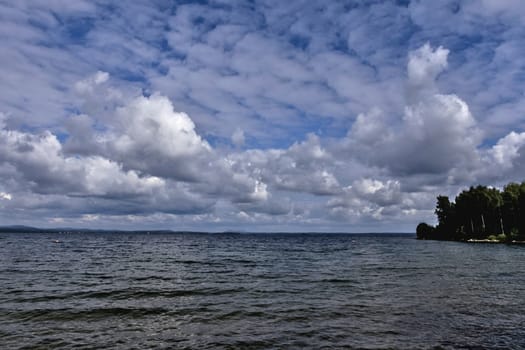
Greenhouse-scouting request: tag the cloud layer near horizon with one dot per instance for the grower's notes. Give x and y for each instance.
(228, 117)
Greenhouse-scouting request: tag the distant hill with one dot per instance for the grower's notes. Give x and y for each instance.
(30, 229)
(20, 228)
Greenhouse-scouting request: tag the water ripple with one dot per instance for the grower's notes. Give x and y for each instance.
(131, 291)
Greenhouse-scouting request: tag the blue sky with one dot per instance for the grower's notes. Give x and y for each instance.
(255, 115)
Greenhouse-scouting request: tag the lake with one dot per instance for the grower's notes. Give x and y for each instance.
(258, 291)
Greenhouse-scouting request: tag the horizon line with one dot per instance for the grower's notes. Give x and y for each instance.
(33, 229)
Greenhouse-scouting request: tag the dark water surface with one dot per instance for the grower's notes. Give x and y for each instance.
(189, 291)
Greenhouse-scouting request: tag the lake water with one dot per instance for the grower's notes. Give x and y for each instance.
(258, 291)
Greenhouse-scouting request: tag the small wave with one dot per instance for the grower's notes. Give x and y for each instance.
(239, 315)
(152, 278)
(198, 262)
(126, 294)
(69, 314)
(240, 261)
(337, 280)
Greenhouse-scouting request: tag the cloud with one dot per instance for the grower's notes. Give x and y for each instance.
(40, 166)
(507, 149)
(382, 193)
(272, 113)
(146, 135)
(86, 86)
(373, 200)
(238, 137)
(436, 134)
(138, 151)
(439, 134)
(504, 161)
(424, 65)
(303, 167)
(149, 136)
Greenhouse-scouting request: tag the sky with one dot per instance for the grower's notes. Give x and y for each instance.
(341, 116)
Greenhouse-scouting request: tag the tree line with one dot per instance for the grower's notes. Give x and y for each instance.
(480, 212)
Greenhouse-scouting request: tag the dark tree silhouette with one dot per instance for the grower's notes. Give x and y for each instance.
(480, 212)
(425, 231)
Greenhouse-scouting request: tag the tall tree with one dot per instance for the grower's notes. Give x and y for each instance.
(443, 209)
(446, 214)
(510, 208)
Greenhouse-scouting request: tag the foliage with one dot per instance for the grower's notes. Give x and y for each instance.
(425, 231)
(480, 212)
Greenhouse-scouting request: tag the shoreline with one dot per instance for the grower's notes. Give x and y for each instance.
(492, 241)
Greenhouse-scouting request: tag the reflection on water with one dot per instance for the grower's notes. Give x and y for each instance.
(258, 291)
